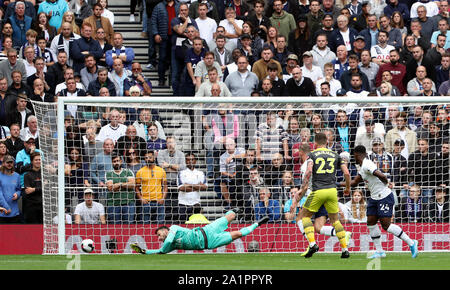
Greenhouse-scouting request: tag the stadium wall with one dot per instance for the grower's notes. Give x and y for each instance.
(28, 239)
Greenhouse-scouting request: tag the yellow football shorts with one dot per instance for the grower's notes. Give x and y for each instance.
(326, 197)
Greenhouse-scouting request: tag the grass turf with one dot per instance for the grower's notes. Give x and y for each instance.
(320, 261)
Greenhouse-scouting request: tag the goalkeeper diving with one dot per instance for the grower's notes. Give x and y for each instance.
(211, 236)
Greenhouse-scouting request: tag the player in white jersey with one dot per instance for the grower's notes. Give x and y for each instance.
(380, 205)
(320, 217)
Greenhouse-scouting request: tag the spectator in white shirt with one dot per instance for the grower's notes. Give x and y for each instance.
(190, 182)
(89, 211)
(114, 130)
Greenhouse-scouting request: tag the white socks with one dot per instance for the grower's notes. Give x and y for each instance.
(325, 230)
(375, 234)
(398, 232)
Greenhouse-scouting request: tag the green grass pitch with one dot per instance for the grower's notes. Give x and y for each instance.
(262, 261)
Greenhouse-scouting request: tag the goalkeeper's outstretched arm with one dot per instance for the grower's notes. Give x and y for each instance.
(165, 235)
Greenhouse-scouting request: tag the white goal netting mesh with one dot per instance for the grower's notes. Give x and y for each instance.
(132, 167)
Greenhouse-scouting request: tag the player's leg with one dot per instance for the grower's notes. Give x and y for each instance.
(332, 207)
(398, 232)
(375, 234)
(385, 213)
(308, 232)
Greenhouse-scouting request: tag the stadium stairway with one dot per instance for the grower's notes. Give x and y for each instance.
(132, 34)
(133, 37)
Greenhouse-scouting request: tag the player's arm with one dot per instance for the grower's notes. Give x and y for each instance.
(305, 182)
(381, 176)
(166, 247)
(347, 178)
(354, 182)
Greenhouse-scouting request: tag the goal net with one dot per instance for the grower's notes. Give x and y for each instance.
(115, 169)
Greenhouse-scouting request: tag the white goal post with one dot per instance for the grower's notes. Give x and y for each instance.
(53, 147)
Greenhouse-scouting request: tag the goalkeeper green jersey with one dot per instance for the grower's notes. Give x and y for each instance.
(180, 238)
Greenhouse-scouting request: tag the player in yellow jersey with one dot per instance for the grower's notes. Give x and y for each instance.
(321, 170)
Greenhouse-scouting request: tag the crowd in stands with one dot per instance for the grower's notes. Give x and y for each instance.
(122, 167)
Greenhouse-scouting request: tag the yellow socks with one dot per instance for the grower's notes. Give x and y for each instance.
(309, 230)
(340, 233)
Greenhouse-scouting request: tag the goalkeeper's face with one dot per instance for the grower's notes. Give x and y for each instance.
(162, 234)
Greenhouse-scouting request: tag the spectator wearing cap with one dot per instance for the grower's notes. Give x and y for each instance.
(366, 137)
(358, 46)
(247, 48)
(23, 160)
(309, 70)
(10, 192)
(89, 211)
(260, 66)
(344, 35)
(300, 38)
(291, 63)
(382, 158)
(321, 53)
(299, 85)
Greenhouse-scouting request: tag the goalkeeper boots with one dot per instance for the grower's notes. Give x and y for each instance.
(311, 250)
(263, 220)
(137, 249)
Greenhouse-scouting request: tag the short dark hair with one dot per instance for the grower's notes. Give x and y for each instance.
(161, 228)
(360, 149)
(321, 138)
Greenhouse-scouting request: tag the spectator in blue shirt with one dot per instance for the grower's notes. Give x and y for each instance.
(10, 191)
(267, 206)
(20, 23)
(55, 10)
(155, 143)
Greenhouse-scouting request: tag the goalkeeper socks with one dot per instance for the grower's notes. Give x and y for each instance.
(309, 230)
(375, 234)
(247, 230)
(398, 232)
(340, 233)
(328, 231)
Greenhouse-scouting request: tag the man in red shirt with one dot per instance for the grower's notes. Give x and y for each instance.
(397, 70)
